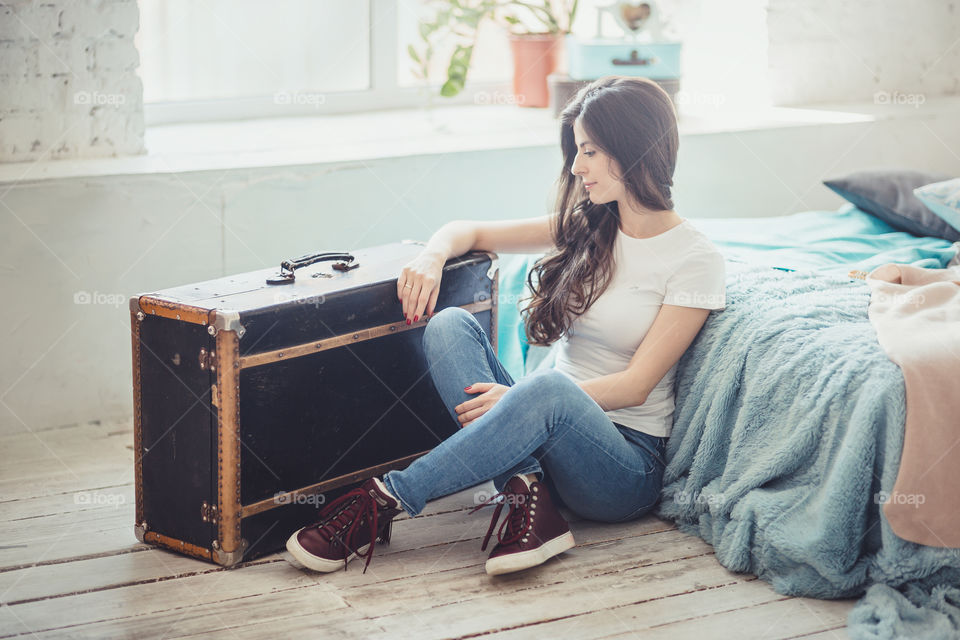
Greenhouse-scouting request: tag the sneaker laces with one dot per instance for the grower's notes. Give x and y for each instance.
(517, 522)
(343, 516)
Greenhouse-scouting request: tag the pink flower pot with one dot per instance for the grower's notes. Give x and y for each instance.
(534, 58)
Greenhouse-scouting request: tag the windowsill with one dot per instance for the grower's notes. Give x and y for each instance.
(222, 146)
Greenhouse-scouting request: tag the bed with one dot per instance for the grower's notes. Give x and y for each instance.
(789, 419)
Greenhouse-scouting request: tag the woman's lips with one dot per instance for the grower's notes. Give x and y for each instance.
(588, 185)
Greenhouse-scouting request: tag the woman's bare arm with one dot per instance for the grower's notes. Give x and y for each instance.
(672, 332)
(455, 238)
(419, 281)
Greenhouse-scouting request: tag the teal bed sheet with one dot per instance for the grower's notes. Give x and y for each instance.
(823, 241)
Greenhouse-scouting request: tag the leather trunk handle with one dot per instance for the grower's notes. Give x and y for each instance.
(287, 274)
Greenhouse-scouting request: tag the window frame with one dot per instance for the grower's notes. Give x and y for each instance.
(384, 92)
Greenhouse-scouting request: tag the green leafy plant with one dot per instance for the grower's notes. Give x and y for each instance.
(460, 20)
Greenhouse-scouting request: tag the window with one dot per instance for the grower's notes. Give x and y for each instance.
(219, 49)
(234, 59)
(237, 59)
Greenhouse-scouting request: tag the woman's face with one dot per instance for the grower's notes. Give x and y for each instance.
(594, 169)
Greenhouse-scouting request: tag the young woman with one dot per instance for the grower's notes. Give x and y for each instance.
(625, 286)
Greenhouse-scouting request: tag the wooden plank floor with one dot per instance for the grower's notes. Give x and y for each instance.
(70, 567)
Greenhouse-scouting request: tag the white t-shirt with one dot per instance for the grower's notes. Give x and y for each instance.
(680, 266)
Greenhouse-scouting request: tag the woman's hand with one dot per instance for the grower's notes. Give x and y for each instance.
(490, 393)
(419, 285)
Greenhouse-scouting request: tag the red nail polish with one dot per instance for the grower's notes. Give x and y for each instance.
(415, 318)
(408, 320)
(467, 388)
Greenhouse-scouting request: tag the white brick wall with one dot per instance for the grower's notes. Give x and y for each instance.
(829, 51)
(68, 82)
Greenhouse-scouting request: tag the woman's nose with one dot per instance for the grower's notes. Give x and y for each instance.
(577, 169)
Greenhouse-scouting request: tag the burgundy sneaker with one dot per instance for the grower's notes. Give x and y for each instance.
(348, 528)
(533, 531)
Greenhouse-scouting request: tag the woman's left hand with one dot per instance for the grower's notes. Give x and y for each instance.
(490, 393)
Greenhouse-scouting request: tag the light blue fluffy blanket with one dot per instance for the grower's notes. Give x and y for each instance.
(789, 423)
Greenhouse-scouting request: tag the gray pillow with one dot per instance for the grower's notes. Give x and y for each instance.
(888, 195)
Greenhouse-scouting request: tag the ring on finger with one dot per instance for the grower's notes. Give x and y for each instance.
(407, 286)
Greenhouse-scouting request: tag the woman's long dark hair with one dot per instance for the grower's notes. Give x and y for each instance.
(633, 121)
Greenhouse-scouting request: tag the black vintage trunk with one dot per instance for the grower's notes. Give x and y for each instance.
(255, 404)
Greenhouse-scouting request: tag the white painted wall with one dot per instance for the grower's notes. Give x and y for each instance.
(828, 51)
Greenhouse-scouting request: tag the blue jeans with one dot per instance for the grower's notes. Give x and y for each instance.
(544, 424)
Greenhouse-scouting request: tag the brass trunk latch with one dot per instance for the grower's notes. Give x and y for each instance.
(208, 513)
(208, 360)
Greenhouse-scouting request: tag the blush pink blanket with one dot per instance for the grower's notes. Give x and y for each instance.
(916, 314)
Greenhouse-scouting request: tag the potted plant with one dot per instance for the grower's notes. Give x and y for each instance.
(536, 31)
